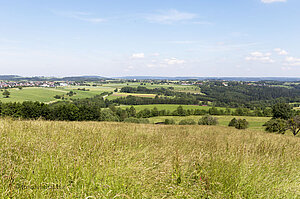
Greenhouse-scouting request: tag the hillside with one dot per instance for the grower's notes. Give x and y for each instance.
(44, 159)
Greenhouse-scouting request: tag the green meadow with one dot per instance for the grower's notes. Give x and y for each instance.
(47, 94)
(255, 123)
(32, 94)
(117, 95)
(177, 87)
(173, 107)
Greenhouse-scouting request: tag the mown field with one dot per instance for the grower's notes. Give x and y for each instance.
(254, 122)
(44, 159)
(173, 107)
(117, 95)
(47, 94)
(177, 87)
(32, 94)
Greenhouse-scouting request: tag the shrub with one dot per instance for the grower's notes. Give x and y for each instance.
(208, 120)
(169, 121)
(294, 124)
(187, 122)
(276, 126)
(241, 124)
(108, 115)
(137, 120)
(232, 122)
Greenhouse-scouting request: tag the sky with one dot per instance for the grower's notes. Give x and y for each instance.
(257, 38)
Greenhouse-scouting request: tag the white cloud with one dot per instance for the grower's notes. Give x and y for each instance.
(155, 54)
(281, 51)
(286, 68)
(259, 56)
(184, 42)
(174, 61)
(83, 16)
(292, 61)
(138, 55)
(151, 65)
(273, 1)
(130, 67)
(170, 16)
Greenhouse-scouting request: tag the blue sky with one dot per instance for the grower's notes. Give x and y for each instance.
(157, 37)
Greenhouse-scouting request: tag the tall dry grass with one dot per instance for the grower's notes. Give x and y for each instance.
(46, 159)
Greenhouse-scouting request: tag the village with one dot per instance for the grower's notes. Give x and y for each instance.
(45, 84)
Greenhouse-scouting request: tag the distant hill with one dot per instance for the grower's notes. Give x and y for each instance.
(8, 77)
(214, 78)
(97, 78)
(42, 78)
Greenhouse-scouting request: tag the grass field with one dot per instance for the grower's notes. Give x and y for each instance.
(173, 107)
(47, 94)
(177, 87)
(254, 122)
(43, 159)
(117, 95)
(32, 94)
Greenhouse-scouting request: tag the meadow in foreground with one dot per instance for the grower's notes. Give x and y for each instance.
(47, 159)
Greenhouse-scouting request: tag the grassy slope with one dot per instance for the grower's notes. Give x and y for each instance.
(47, 94)
(172, 107)
(254, 122)
(118, 95)
(32, 94)
(113, 160)
(179, 88)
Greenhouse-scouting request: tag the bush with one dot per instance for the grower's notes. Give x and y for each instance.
(241, 124)
(137, 120)
(187, 122)
(169, 121)
(276, 126)
(208, 120)
(294, 124)
(232, 122)
(108, 115)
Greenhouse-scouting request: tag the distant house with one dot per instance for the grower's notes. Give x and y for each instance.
(63, 84)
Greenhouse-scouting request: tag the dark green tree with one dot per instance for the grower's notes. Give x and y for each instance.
(208, 120)
(169, 121)
(282, 111)
(241, 124)
(232, 122)
(187, 122)
(6, 93)
(181, 111)
(294, 124)
(276, 126)
(132, 112)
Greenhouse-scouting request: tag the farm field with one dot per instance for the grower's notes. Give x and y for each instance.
(255, 123)
(177, 87)
(173, 107)
(47, 94)
(32, 94)
(117, 95)
(47, 159)
(85, 94)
